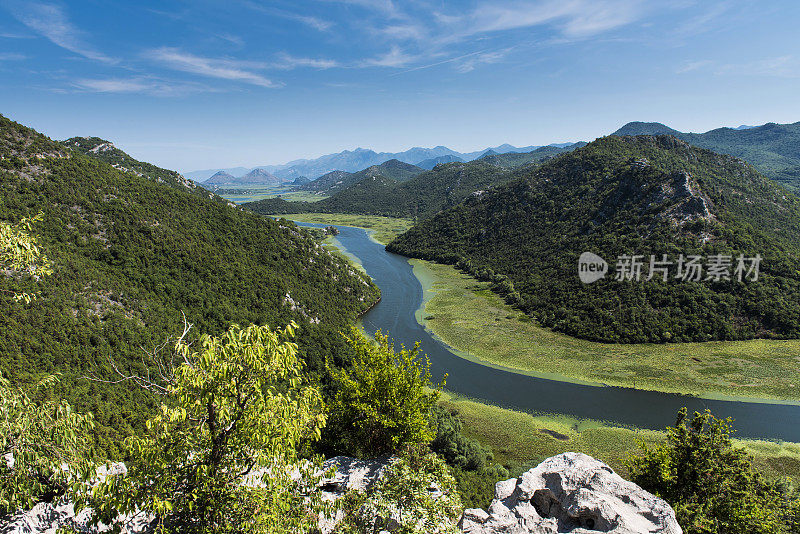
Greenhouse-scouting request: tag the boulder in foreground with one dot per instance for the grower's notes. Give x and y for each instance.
(575, 493)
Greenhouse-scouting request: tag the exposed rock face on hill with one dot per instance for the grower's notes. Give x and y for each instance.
(575, 493)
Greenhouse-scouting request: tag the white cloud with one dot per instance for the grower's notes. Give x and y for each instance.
(10, 56)
(222, 68)
(484, 58)
(314, 22)
(386, 7)
(138, 85)
(693, 66)
(50, 21)
(393, 58)
(574, 18)
(287, 62)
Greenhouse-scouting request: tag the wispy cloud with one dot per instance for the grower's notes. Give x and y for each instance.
(221, 68)
(786, 66)
(782, 67)
(287, 62)
(692, 66)
(10, 56)
(439, 32)
(395, 57)
(12, 35)
(138, 85)
(314, 22)
(573, 18)
(50, 21)
(483, 58)
(308, 20)
(386, 7)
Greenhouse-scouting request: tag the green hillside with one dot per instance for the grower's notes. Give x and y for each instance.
(103, 150)
(773, 149)
(444, 186)
(630, 196)
(130, 255)
(517, 159)
(336, 181)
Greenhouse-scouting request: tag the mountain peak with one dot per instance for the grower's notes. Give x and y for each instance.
(645, 128)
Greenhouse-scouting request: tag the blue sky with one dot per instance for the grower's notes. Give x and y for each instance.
(200, 84)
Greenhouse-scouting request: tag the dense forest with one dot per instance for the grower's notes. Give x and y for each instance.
(129, 257)
(771, 148)
(444, 186)
(630, 196)
(97, 148)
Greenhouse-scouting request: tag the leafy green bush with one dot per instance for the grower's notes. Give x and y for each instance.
(220, 454)
(383, 399)
(416, 495)
(43, 452)
(711, 484)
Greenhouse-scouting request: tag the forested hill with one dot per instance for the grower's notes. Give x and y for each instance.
(336, 181)
(421, 196)
(631, 196)
(773, 149)
(130, 256)
(97, 148)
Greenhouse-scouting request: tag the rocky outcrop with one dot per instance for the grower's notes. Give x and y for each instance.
(574, 493)
(351, 474)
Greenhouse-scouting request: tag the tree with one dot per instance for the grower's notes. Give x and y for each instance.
(43, 453)
(383, 400)
(711, 484)
(20, 252)
(220, 454)
(416, 495)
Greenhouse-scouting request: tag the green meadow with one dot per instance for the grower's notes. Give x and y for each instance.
(520, 440)
(382, 229)
(469, 317)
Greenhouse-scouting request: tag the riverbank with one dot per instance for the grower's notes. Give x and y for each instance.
(466, 315)
(520, 440)
(381, 229)
(469, 317)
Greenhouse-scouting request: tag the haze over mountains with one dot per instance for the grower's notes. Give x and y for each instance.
(359, 159)
(774, 149)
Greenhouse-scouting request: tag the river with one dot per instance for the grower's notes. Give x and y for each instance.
(395, 315)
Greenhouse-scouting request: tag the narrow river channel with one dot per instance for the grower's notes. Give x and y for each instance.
(395, 315)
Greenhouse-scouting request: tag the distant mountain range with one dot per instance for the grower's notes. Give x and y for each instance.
(357, 160)
(773, 149)
(254, 177)
(399, 189)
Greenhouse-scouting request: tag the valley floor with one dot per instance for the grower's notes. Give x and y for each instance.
(383, 229)
(520, 440)
(469, 317)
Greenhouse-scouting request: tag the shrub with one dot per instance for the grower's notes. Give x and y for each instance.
(711, 484)
(383, 400)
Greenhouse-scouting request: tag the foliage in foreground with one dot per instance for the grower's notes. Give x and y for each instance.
(21, 254)
(416, 495)
(219, 456)
(711, 484)
(383, 399)
(37, 438)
